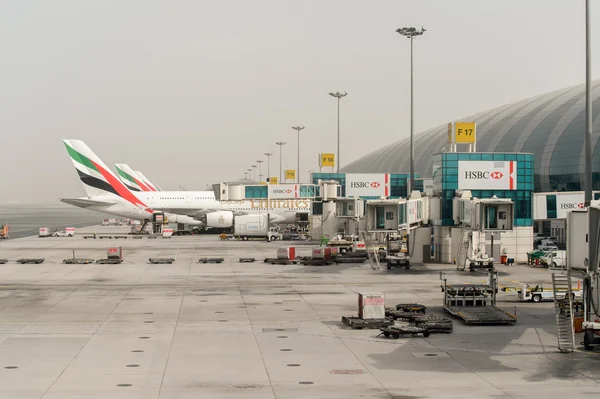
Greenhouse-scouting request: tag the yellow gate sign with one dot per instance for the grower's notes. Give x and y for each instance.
(290, 174)
(273, 180)
(464, 132)
(327, 160)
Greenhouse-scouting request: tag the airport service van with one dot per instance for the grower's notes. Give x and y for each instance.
(554, 259)
(540, 293)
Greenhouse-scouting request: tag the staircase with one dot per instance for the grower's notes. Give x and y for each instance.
(463, 249)
(563, 309)
(369, 246)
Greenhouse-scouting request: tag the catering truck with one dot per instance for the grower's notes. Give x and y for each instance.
(248, 227)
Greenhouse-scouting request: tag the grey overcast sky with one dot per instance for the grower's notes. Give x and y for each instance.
(194, 92)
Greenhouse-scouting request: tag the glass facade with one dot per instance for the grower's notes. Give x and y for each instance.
(550, 126)
(445, 177)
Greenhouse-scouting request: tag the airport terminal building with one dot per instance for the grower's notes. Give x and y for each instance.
(550, 126)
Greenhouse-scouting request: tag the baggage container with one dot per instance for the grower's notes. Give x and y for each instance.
(288, 253)
(371, 305)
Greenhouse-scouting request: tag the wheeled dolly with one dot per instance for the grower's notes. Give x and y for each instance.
(156, 261)
(30, 260)
(400, 331)
(211, 260)
(358, 323)
(247, 260)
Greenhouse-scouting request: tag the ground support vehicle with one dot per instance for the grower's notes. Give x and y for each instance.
(539, 293)
(406, 311)
(3, 261)
(30, 260)
(481, 261)
(247, 260)
(156, 261)
(400, 331)
(78, 261)
(397, 260)
(357, 323)
(211, 260)
(248, 227)
(68, 232)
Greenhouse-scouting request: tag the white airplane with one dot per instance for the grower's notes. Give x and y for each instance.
(107, 194)
(130, 179)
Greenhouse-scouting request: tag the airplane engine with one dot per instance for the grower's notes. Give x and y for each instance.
(218, 219)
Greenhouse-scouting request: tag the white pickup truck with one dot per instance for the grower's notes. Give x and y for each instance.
(68, 232)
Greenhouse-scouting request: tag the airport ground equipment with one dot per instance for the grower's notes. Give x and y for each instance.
(247, 260)
(396, 332)
(78, 261)
(44, 232)
(561, 293)
(539, 293)
(211, 260)
(396, 253)
(109, 261)
(316, 262)
(30, 260)
(278, 261)
(156, 261)
(114, 255)
(406, 311)
(68, 232)
(475, 303)
(358, 324)
(437, 324)
(3, 261)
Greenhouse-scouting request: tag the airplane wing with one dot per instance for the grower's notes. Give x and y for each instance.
(85, 202)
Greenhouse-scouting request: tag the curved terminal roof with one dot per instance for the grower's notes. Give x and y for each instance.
(551, 126)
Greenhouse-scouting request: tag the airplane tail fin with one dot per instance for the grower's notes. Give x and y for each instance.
(130, 179)
(148, 183)
(97, 178)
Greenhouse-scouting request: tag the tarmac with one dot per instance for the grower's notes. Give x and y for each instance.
(255, 330)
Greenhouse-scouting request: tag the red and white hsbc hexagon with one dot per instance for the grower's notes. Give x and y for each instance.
(487, 175)
(367, 185)
(284, 191)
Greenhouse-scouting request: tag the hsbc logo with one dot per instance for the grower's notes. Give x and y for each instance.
(282, 191)
(483, 175)
(573, 205)
(365, 184)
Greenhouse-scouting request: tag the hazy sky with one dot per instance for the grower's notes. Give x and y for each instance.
(194, 92)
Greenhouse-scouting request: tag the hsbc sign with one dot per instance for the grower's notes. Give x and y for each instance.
(284, 191)
(568, 202)
(487, 175)
(367, 185)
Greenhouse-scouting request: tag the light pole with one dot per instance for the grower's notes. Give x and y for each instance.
(588, 110)
(338, 95)
(245, 175)
(280, 144)
(259, 171)
(297, 129)
(253, 172)
(249, 172)
(268, 154)
(410, 33)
